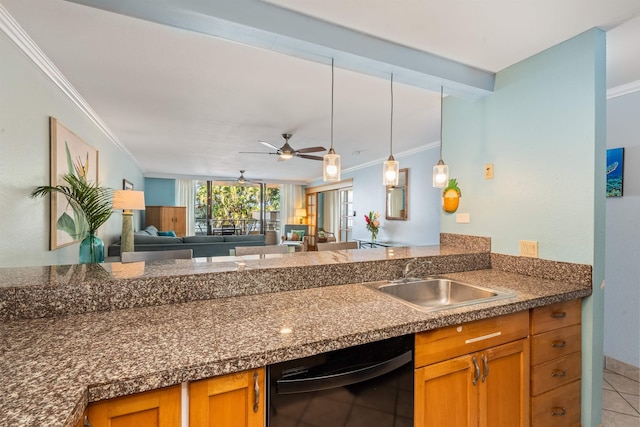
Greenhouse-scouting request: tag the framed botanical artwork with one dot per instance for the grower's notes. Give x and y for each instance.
(615, 169)
(69, 154)
(127, 185)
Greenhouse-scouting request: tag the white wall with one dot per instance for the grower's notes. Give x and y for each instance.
(27, 99)
(622, 292)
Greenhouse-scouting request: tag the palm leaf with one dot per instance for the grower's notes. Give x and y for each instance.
(91, 201)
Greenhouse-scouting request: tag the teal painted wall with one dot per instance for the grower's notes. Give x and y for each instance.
(28, 98)
(159, 192)
(544, 130)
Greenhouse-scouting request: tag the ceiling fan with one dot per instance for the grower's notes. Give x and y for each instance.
(286, 151)
(241, 179)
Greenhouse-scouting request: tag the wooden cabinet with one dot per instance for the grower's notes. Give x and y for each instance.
(156, 408)
(167, 218)
(556, 365)
(234, 400)
(475, 374)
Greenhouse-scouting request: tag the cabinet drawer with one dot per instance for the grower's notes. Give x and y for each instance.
(555, 373)
(556, 316)
(446, 343)
(556, 343)
(559, 407)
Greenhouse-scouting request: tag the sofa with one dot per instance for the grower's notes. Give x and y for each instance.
(150, 239)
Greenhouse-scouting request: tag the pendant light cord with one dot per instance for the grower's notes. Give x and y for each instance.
(332, 59)
(441, 92)
(391, 127)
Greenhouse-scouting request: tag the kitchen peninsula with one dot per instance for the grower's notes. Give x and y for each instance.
(78, 334)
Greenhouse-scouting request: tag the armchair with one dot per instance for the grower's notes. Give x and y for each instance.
(296, 235)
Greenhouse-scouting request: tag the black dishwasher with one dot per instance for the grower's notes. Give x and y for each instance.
(365, 385)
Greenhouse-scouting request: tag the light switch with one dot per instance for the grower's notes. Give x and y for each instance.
(488, 171)
(463, 218)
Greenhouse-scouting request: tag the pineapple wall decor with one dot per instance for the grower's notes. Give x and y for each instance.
(451, 196)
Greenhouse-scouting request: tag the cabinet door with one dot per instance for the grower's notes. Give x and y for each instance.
(504, 385)
(178, 220)
(234, 400)
(445, 394)
(157, 408)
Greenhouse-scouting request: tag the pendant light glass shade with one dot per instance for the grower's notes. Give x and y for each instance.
(390, 168)
(440, 175)
(440, 170)
(390, 172)
(331, 166)
(331, 160)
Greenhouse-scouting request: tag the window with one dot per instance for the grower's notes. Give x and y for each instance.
(230, 208)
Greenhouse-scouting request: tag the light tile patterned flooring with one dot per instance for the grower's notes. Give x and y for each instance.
(620, 401)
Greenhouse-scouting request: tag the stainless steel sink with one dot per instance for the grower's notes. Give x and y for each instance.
(437, 293)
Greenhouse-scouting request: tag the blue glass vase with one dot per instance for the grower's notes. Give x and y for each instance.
(91, 250)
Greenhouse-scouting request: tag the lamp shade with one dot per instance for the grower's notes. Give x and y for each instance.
(128, 200)
(301, 212)
(331, 166)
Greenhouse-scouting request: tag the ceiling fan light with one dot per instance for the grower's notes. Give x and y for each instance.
(331, 166)
(390, 172)
(286, 156)
(440, 175)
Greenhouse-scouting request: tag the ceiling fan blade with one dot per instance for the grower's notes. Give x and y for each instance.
(255, 152)
(269, 145)
(306, 156)
(311, 149)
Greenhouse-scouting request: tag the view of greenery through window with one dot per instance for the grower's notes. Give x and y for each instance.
(237, 205)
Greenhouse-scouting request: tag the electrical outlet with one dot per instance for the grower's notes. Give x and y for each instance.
(529, 248)
(488, 171)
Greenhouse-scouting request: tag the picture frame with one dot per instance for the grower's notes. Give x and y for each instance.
(127, 185)
(69, 153)
(615, 172)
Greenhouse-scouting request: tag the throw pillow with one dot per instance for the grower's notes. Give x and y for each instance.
(170, 233)
(297, 235)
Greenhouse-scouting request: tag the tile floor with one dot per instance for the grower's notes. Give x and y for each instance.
(620, 401)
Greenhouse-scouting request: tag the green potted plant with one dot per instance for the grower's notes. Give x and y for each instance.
(92, 207)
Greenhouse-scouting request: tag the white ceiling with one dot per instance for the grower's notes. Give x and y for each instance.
(185, 103)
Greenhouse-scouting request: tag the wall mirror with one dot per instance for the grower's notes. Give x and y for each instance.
(397, 197)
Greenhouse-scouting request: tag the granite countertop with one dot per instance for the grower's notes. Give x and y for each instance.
(53, 366)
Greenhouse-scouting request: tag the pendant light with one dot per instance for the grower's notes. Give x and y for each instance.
(391, 167)
(331, 160)
(440, 171)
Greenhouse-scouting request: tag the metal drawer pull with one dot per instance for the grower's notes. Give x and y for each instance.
(558, 344)
(558, 412)
(559, 314)
(559, 373)
(86, 422)
(476, 377)
(485, 365)
(256, 389)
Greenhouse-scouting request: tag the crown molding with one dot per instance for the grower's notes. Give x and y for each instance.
(625, 89)
(25, 43)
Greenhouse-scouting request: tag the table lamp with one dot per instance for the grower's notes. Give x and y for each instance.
(128, 200)
(302, 213)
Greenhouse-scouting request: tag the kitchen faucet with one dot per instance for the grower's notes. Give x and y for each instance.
(414, 265)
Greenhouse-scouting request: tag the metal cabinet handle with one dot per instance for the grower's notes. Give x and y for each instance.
(559, 344)
(558, 411)
(476, 368)
(559, 373)
(256, 390)
(485, 365)
(559, 314)
(86, 422)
